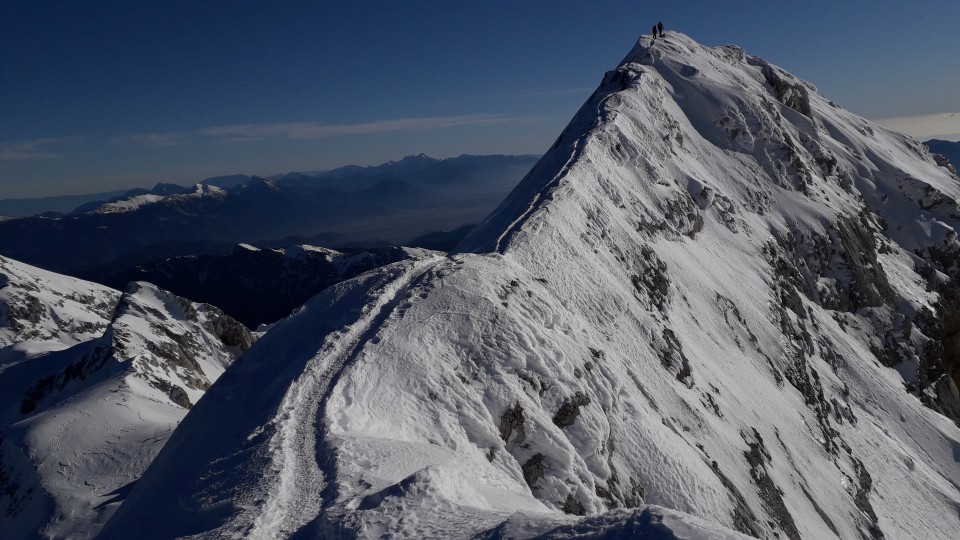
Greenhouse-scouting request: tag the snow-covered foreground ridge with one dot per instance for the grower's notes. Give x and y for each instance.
(717, 293)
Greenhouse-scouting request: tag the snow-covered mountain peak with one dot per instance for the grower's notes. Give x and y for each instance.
(78, 425)
(717, 293)
(413, 160)
(176, 346)
(713, 125)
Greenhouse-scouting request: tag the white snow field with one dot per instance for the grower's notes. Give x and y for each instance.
(81, 416)
(715, 301)
(133, 203)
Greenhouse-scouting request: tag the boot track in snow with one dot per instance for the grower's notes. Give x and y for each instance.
(295, 500)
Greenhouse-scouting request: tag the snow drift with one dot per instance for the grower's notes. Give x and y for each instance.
(717, 293)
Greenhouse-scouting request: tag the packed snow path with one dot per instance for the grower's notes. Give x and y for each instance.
(296, 447)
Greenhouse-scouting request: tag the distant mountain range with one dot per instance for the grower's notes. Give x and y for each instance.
(64, 204)
(388, 204)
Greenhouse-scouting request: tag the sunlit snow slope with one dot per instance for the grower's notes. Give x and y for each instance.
(42, 311)
(718, 293)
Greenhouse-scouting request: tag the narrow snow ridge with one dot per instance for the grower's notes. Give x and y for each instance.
(294, 500)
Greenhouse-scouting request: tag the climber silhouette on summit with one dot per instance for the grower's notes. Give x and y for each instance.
(660, 28)
(654, 32)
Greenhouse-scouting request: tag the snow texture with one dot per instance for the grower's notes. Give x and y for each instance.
(718, 293)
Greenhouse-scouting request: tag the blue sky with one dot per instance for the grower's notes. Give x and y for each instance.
(107, 95)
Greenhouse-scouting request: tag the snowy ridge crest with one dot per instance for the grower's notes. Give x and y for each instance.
(717, 293)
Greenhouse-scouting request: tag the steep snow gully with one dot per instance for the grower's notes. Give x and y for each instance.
(714, 309)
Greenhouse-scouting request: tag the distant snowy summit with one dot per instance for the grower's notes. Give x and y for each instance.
(719, 306)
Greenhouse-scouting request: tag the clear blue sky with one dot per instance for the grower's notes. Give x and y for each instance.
(114, 94)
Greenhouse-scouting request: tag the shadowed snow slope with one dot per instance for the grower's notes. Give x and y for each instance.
(717, 293)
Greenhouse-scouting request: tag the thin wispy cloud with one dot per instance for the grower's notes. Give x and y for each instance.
(943, 125)
(315, 130)
(172, 138)
(33, 149)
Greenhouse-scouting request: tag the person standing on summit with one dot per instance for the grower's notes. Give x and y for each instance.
(654, 32)
(660, 28)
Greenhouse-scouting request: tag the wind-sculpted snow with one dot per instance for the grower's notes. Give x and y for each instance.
(717, 293)
(79, 425)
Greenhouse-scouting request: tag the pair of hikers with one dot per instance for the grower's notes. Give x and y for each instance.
(658, 28)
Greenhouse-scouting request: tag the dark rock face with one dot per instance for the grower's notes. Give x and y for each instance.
(846, 257)
(615, 493)
(770, 496)
(511, 424)
(673, 358)
(652, 282)
(946, 153)
(862, 500)
(944, 162)
(573, 506)
(257, 286)
(940, 366)
(788, 90)
(570, 409)
(744, 520)
(176, 393)
(231, 332)
(534, 469)
(90, 362)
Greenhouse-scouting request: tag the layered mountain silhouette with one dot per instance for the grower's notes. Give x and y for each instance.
(384, 205)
